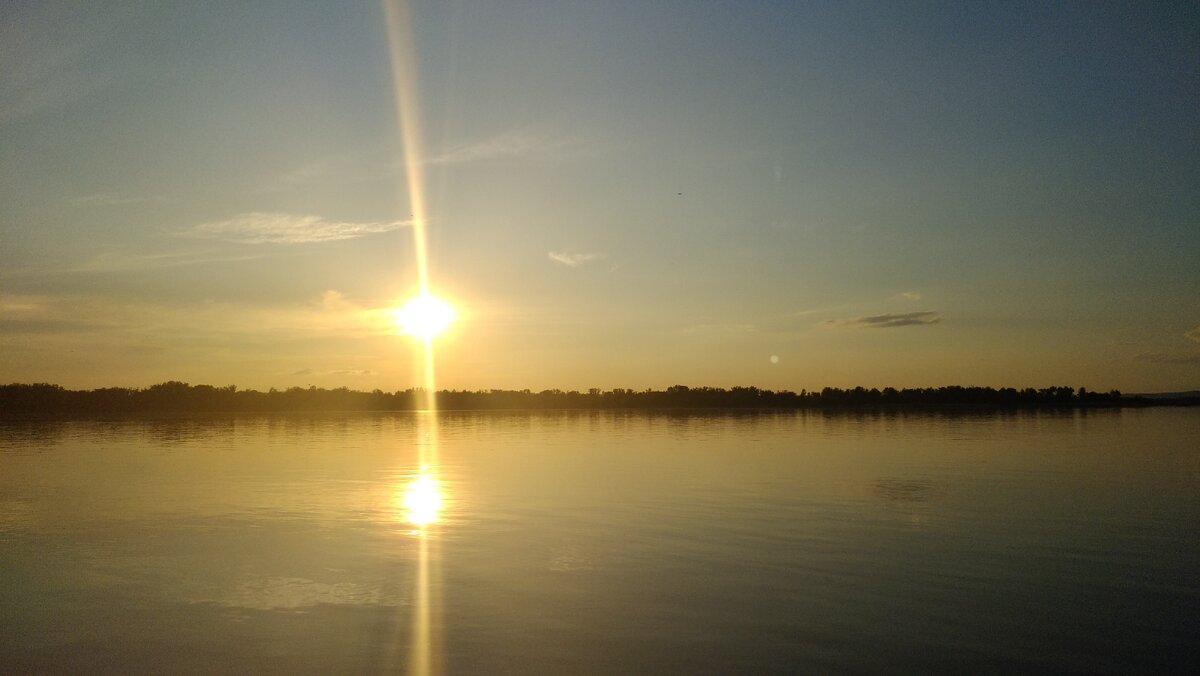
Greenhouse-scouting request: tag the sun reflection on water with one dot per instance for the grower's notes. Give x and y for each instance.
(421, 500)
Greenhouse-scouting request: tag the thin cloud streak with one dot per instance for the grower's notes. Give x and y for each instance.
(259, 227)
(889, 320)
(29, 320)
(708, 329)
(107, 200)
(111, 262)
(41, 74)
(506, 145)
(334, 372)
(573, 260)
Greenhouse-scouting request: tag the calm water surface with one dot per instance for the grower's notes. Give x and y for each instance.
(605, 543)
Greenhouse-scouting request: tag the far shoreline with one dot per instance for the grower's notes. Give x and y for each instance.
(174, 398)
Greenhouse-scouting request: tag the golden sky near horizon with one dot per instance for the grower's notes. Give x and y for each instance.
(615, 194)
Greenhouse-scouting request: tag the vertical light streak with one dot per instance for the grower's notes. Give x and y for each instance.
(420, 658)
(430, 403)
(424, 494)
(422, 641)
(404, 88)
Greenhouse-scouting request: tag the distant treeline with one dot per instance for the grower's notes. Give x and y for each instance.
(175, 397)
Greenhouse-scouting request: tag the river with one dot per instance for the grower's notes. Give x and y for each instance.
(603, 543)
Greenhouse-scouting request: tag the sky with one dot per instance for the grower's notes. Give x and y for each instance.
(616, 194)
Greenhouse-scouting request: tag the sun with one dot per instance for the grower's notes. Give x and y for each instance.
(424, 316)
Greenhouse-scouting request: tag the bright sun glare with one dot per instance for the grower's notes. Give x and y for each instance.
(424, 316)
(422, 501)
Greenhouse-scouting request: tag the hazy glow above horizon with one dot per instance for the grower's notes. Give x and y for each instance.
(919, 195)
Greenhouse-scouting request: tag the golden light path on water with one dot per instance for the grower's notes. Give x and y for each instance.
(423, 317)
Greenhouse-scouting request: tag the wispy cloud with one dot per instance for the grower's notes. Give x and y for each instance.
(258, 227)
(331, 314)
(1168, 357)
(329, 338)
(334, 301)
(509, 144)
(734, 328)
(46, 50)
(1172, 355)
(574, 260)
(335, 372)
(109, 200)
(341, 168)
(911, 295)
(117, 262)
(66, 314)
(20, 303)
(821, 310)
(889, 320)
(304, 174)
(31, 315)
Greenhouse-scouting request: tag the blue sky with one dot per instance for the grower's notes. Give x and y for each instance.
(619, 194)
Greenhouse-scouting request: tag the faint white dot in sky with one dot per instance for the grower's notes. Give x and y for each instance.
(774, 359)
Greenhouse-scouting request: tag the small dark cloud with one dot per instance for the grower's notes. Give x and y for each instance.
(301, 372)
(889, 320)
